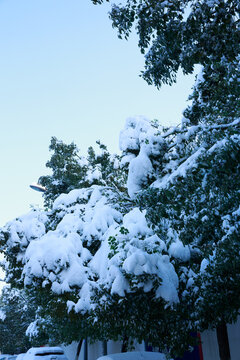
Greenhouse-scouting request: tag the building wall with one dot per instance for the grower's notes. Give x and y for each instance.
(210, 345)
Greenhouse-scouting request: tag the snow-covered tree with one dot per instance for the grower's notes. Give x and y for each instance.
(155, 230)
(69, 170)
(93, 252)
(198, 198)
(199, 186)
(99, 256)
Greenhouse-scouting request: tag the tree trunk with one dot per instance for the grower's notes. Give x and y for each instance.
(223, 344)
(86, 349)
(146, 345)
(124, 344)
(104, 346)
(78, 349)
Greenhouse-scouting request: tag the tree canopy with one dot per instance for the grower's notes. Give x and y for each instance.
(179, 34)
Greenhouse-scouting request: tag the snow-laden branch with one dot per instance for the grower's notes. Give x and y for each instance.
(195, 128)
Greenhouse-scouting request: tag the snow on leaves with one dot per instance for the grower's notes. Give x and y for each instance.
(86, 242)
(60, 257)
(96, 246)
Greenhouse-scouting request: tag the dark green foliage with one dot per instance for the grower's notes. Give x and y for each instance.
(202, 207)
(19, 308)
(221, 277)
(142, 317)
(179, 34)
(72, 171)
(216, 97)
(54, 324)
(67, 170)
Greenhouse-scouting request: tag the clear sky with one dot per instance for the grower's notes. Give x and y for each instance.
(64, 73)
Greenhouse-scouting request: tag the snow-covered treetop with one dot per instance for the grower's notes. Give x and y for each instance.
(95, 237)
(90, 244)
(65, 247)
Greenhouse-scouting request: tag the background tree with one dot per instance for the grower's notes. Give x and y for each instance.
(18, 309)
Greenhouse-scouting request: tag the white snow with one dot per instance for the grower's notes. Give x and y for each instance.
(32, 329)
(129, 136)
(2, 315)
(181, 170)
(135, 355)
(204, 265)
(179, 251)
(140, 169)
(94, 174)
(139, 141)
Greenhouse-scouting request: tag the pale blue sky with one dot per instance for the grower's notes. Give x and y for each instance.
(64, 73)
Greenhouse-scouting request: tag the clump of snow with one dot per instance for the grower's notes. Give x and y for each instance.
(135, 257)
(84, 302)
(129, 136)
(76, 195)
(140, 170)
(27, 227)
(93, 174)
(237, 212)
(2, 315)
(59, 257)
(140, 142)
(45, 350)
(204, 265)
(32, 330)
(181, 170)
(179, 251)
